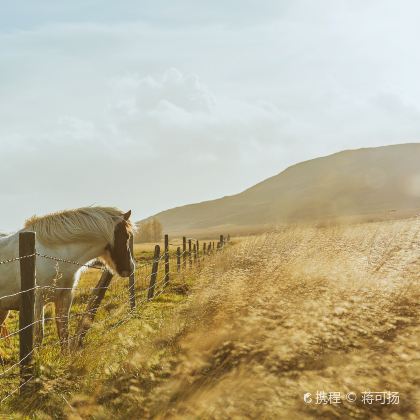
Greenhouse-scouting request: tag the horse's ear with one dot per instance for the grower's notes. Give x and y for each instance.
(127, 215)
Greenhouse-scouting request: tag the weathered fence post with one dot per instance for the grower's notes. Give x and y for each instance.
(204, 249)
(222, 241)
(178, 259)
(184, 252)
(131, 280)
(195, 253)
(95, 300)
(198, 249)
(27, 304)
(154, 274)
(166, 281)
(189, 252)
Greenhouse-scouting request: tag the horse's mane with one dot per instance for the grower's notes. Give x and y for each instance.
(83, 225)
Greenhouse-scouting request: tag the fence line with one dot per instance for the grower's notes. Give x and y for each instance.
(64, 341)
(153, 290)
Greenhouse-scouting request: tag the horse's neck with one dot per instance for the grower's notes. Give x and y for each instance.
(80, 253)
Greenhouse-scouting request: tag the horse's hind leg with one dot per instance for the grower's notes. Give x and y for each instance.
(63, 302)
(3, 329)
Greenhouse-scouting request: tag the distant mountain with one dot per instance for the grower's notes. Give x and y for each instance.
(370, 183)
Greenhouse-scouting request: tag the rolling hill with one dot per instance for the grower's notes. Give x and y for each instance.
(363, 184)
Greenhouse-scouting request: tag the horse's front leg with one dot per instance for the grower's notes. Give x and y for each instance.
(63, 302)
(39, 317)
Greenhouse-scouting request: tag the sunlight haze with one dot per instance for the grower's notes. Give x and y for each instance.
(150, 106)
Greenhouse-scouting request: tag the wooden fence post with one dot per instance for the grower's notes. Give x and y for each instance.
(27, 304)
(204, 249)
(154, 274)
(131, 280)
(189, 252)
(95, 300)
(178, 259)
(222, 241)
(166, 281)
(195, 253)
(198, 249)
(184, 252)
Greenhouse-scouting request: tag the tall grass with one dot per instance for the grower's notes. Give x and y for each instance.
(276, 316)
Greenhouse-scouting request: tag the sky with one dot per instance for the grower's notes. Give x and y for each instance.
(151, 105)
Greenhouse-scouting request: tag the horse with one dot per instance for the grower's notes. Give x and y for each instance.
(81, 235)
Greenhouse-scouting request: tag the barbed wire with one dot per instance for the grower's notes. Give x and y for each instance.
(161, 282)
(18, 362)
(67, 317)
(18, 293)
(49, 257)
(10, 260)
(95, 324)
(130, 288)
(103, 268)
(16, 390)
(53, 287)
(158, 286)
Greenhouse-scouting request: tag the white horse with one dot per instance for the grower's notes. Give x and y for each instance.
(79, 235)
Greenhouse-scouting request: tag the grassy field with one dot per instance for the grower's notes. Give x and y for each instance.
(53, 368)
(274, 317)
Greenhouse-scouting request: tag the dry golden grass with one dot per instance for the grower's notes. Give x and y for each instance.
(273, 317)
(297, 311)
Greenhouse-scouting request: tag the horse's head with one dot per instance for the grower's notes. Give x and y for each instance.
(119, 255)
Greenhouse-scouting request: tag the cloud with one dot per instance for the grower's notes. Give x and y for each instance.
(170, 125)
(177, 111)
(173, 90)
(150, 107)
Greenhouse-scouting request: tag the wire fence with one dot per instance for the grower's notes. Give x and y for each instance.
(150, 280)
